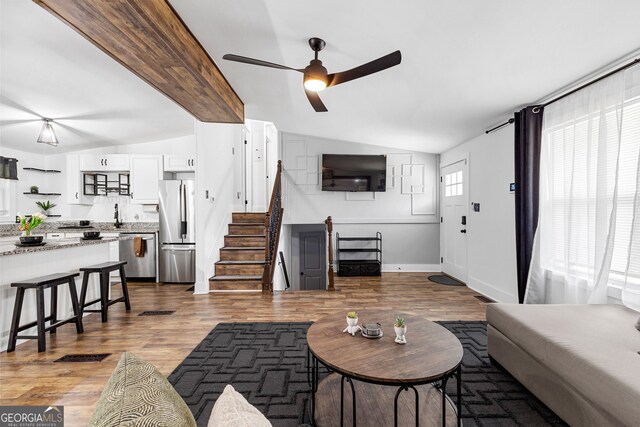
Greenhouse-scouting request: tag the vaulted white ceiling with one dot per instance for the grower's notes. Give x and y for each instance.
(49, 70)
(466, 65)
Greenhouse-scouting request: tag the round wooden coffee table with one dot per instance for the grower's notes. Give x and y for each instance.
(379, 370)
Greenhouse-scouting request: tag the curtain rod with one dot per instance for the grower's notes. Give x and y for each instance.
(571, 92)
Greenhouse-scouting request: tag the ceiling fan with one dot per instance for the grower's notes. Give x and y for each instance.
(316, 78)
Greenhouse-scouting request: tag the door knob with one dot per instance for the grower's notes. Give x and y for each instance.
(301, 273)
(463, 231)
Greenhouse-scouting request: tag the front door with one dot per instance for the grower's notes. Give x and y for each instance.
(313, 273)
(455, 210)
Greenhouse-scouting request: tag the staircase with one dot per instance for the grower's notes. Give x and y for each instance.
(242, 259)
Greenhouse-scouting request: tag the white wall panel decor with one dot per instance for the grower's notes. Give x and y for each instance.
(408, 219)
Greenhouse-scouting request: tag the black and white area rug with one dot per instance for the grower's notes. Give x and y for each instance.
(266, 362)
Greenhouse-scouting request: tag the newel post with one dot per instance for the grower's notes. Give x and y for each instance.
(329, 223)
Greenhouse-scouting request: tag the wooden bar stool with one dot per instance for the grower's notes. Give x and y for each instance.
(103, 270)
(40, 284)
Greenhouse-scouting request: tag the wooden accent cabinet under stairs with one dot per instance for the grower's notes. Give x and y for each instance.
(242, 258)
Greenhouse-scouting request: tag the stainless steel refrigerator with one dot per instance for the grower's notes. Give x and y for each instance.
(177, 258)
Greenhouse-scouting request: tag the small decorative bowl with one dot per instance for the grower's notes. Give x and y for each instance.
(372, 329)
(91, 234)
(31, 240)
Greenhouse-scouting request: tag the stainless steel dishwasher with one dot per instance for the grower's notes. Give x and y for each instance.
(143, 267)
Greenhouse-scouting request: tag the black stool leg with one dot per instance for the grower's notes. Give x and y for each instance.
(54, 308)
(125, 289)
(83, 291)
(42, 339)
(15, 321)
(104, 295)
(76, 306)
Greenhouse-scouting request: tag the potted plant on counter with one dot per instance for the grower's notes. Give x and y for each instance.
(400, 328)
(27, 225)
(46, 206)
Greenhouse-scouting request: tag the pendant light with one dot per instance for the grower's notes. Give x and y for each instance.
(47, 135)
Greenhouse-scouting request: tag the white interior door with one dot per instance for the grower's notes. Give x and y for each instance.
(240, 172)
(455, 211)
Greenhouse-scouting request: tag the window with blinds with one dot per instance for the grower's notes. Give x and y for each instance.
(591, 186)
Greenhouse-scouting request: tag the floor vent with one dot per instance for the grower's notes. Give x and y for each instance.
(484, 299)
(157, 313)
(190, 289)
(84, 357)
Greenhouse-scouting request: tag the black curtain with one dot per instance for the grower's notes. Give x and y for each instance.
(528, 135)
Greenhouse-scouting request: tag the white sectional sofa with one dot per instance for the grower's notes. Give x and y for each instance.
(582, 361)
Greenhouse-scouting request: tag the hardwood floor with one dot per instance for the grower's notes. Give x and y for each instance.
(31, 378)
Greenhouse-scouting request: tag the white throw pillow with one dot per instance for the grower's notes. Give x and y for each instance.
(233, 410)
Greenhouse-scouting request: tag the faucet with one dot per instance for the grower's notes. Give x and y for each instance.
(117, 217)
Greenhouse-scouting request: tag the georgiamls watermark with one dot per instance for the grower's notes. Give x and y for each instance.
(31, 416)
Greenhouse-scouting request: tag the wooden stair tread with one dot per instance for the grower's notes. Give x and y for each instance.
(242, 248)
(232, 278)
(247, 224)
(240, 262)
(244, 235)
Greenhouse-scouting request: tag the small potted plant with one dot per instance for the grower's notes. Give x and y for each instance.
(400, 328)
(352, 323)
(34, 189)
(46, 206)
(27, 225)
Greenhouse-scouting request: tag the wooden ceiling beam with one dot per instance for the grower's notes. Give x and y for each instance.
(149, 38)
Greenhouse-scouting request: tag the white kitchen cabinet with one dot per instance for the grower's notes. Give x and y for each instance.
(74, 193)
(179, 163)
(146, 171)
(104, 162)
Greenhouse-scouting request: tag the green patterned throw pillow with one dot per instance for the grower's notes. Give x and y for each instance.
(137, 394)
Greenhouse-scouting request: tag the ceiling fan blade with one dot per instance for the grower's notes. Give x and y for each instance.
(246, 60)
(374, 66)
(316, 102)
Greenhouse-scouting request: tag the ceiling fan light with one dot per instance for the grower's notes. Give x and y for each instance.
(314, 84)
(47, 135)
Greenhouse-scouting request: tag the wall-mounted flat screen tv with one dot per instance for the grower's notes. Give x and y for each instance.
(346, 172)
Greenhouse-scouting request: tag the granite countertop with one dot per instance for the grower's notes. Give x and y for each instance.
(8, 247)
(72, 227)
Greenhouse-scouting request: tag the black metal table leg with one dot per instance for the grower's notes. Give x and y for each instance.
(342, 401)
(314, 387)
(459, 387)
(395, 404)
(444, 401)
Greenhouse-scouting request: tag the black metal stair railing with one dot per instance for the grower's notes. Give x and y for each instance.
(272, 225)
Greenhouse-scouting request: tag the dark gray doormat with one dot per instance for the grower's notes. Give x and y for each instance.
(266, 362)
(443, 279)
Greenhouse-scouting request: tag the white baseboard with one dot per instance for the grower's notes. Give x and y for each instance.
(490, 291)
(411, 268)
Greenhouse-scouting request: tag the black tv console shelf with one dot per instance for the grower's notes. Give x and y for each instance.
(369, 260)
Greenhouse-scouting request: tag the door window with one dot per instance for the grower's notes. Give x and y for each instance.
(453, 184)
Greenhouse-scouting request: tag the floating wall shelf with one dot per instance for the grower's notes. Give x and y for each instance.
(41, 194)
(42, 170)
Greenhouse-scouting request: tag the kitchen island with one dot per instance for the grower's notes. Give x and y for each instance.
(56, 256)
